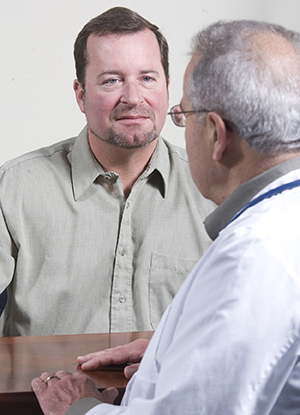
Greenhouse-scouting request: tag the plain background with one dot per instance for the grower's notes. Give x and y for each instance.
(38, 105)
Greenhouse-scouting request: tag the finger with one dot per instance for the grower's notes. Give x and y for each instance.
(94, 364)
(45, 375)
(131, 352)
(104, 358)
(81, 375)
(85, 358)
(62, 374)
(38, 386)
(130, 370)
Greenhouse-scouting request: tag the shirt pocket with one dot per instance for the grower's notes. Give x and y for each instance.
(167, 274)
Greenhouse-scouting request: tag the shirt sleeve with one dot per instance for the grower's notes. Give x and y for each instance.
(7, 254)
(83, 406)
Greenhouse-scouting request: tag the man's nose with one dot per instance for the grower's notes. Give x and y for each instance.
(132, 94)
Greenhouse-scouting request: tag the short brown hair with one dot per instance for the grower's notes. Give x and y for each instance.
(118, 20)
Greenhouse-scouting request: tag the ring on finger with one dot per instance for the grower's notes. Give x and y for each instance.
(51, 377)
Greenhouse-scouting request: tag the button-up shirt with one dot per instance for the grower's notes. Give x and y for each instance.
(78, 257)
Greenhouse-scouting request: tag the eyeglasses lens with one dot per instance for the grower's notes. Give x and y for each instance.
(177, 116)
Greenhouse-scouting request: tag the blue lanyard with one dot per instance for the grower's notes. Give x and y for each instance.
(266, 195)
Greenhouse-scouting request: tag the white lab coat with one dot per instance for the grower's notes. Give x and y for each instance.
(229, 342)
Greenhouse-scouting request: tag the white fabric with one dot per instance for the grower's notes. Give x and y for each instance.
(229, 342)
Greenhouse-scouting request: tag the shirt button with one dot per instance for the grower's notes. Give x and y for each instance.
(122, 299)
(127, 206)
(123, 252)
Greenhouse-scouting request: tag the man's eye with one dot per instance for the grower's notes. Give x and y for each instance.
(111, 81)
(148, 78)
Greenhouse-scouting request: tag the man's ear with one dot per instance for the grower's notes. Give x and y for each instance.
(220, 138)
(168, 88)
(79, 93)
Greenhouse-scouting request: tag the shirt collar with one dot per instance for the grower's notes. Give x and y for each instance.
(160, 162)
(86, 169)
(219, 218)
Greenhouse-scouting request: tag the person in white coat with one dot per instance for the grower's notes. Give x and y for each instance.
(229, 343)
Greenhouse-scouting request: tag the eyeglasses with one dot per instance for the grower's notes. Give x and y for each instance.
(178, 116)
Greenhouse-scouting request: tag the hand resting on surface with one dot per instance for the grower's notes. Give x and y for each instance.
(127, 353)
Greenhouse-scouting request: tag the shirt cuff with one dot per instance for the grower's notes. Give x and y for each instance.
(83, 406)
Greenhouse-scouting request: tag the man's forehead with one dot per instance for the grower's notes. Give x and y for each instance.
(136, 51)
(145, 34)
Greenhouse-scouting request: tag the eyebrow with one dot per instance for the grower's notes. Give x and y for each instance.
(120, 73)
(109, 72)
(150, 71)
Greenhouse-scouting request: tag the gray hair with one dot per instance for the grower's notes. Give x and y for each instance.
(245, 85)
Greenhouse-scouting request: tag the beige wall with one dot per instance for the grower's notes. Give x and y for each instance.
(37, 102)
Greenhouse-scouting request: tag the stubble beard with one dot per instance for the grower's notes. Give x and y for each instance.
(120, 140)
(127, 140)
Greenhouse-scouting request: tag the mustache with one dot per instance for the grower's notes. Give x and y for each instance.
(127, 110)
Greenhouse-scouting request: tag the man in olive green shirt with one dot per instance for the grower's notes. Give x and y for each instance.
(98, 232)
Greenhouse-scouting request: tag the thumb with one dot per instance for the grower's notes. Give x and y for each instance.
(109, 395)
(130, 370)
